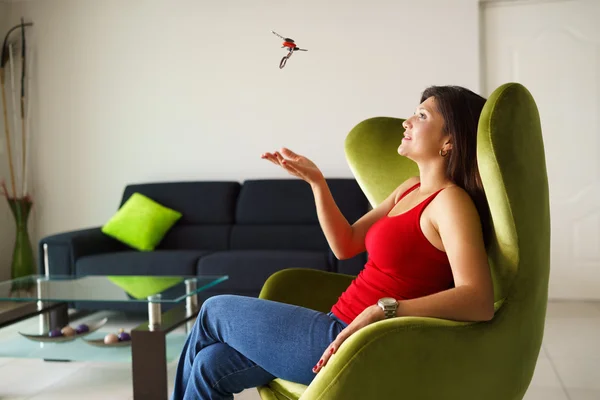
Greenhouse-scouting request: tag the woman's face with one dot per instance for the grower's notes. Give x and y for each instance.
(424, 136)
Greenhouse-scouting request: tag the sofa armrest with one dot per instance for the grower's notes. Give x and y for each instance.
(310, 288)
(64, 249)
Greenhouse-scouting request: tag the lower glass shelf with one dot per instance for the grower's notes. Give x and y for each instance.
(14, 345)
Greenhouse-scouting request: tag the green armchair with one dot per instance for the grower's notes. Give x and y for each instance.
(429, 358)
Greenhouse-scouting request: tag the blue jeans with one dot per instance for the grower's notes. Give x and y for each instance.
(242, 342)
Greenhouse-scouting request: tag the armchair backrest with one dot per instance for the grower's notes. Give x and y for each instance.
(512, 165)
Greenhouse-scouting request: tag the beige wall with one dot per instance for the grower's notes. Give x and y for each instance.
(155, 90)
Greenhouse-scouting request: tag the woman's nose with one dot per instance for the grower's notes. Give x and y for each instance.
(405, 124)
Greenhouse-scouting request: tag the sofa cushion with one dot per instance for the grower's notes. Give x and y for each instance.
(281, 214)
(291, 201)
(159, 262)
(349, 198)
(199, 202)
(192, 237)
(278, 237)
(276, 201)
(249, 269)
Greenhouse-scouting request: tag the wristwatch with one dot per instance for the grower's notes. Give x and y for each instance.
(389, 306)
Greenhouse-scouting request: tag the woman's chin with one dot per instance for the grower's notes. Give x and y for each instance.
(405, 153)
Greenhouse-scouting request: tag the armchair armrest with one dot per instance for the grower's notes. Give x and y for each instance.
(64, 249)
(419, 358)
(310, 288)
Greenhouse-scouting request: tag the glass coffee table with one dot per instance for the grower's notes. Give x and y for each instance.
(48, 297)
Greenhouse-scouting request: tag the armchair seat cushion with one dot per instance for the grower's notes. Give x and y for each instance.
(249, 269)
(158, 262)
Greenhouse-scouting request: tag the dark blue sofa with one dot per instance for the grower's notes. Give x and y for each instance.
(245, 230)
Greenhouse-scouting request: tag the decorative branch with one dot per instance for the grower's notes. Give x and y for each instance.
(23, 131)
(4, 190)
(28, 124)
(6, 126)
(13, 102)
(5, 57)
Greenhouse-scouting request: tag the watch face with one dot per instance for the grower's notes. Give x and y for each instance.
(388, 302)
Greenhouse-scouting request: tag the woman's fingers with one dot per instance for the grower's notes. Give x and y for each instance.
(333, 347)
(324, 358)
(289, 165)
(290, 154)
(271, 157)
(279, 156)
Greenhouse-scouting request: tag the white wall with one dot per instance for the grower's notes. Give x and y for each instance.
(7, 227)
(149, 90)
(522, 40)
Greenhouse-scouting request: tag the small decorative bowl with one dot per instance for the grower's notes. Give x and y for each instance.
(100, 343)
(56, 337)
(123, 339)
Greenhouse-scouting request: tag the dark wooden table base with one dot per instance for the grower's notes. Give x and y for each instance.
(149, 354)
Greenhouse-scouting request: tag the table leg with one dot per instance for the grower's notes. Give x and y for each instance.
(154, 312)
(149, 352)
(191, 302)
(43, 318)
(56, 318)
(149, 363)
(149, 356)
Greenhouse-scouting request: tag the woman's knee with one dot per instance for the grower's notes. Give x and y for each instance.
(218, 302)
(216, 306)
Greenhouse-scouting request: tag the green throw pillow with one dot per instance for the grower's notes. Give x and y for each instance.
(141, 222)
(141, 287)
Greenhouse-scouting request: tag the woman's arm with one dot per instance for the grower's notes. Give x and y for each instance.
(347, 240)
(472, 298)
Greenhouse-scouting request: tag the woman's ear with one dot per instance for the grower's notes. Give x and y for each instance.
(448, 146)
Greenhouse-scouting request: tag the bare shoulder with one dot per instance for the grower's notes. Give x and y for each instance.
(454, 205)
(455, 196)
(404, 186)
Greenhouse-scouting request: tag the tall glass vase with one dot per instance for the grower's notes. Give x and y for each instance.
(23, 262)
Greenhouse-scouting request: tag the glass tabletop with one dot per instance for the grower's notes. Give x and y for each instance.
(121, 288)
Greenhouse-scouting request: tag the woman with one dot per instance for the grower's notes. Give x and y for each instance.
(427, 258)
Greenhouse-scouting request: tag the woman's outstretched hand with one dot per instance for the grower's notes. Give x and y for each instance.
(370, 315)
(295, 164)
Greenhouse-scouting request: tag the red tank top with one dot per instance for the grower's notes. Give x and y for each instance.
(402, 264)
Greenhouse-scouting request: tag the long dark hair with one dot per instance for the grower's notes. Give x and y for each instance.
(461, 109)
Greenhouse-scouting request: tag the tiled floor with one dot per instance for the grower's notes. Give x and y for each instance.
(568, 367)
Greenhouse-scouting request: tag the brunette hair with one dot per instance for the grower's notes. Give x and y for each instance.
(461, 109)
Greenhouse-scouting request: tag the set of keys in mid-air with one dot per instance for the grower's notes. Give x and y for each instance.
(290, 45)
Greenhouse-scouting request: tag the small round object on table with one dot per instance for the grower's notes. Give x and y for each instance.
(82, 328)
(111, 338)
(68, 331)
(55, 333)
(124, 336)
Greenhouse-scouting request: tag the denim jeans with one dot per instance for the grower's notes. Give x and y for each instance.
(242, 342)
